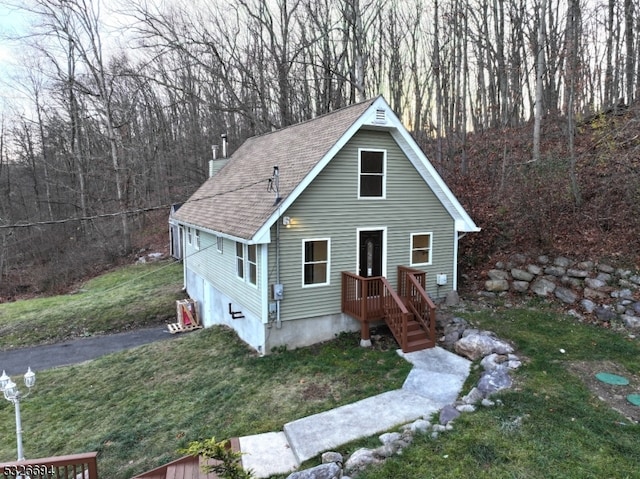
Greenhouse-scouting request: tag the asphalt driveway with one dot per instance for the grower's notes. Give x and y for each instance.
(39, 358)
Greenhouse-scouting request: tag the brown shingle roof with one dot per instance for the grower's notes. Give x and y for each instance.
(236, 202)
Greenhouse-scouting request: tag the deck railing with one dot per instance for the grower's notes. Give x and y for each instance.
(412, 289)
(396, 314)
(362, 297)
(76, 466)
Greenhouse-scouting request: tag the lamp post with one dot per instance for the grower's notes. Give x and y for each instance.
(13, 395)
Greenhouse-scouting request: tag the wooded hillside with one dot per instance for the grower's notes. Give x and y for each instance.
(115, 106)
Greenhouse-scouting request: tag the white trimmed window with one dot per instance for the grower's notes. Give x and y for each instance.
(421, 249)
(197, 239)
(219, 243)
(315, 262)
(372, 173)
(189, 237)
(247, 262)
(252, 264)
(240, 260)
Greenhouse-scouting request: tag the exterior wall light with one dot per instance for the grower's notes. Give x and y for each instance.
(286, 221)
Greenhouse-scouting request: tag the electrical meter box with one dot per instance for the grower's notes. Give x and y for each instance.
(441, 279)
(278, 292)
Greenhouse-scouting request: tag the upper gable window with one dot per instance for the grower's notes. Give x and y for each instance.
(372, 169)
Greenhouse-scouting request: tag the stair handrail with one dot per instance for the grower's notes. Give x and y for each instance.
(426, 309)
(395, 309)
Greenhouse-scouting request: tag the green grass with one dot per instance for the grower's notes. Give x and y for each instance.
(137, 407)
(550, 424)
(132, 297)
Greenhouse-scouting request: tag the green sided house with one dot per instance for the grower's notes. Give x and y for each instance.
(323, 227)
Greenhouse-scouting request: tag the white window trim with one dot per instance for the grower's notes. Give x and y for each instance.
(411, 248)
(197, 239)
(219, 243)
(248, 264)
(328, 281)
(189, 233)
(384, 173)
(240, 272)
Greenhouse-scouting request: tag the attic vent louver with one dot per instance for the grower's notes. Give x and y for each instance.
(381, 116)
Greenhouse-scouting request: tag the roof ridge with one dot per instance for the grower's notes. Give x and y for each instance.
(316, 118)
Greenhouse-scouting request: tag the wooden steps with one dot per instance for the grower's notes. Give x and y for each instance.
(417, 338)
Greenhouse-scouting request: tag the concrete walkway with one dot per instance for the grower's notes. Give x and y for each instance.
(435, 380)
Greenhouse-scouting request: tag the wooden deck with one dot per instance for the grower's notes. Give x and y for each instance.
(187, 467)
(409, 312)
(83, 466)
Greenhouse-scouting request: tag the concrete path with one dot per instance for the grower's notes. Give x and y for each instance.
(435, 380)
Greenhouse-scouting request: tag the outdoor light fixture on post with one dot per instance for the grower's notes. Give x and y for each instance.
(11, 394)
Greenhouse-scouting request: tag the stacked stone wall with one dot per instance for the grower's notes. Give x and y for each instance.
(591, 289)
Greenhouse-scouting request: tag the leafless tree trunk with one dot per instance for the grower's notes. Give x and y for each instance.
(540, 63)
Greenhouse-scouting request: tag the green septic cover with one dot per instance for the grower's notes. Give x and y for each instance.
(634, 399)
(612, 379)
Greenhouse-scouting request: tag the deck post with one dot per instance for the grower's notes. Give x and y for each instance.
(365, 338)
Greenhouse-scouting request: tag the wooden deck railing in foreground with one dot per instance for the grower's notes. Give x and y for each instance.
(76, 466)
(396, 314)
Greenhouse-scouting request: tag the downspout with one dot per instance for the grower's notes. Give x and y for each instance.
(278, 320)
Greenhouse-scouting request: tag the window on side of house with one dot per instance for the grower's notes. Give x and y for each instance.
(197, 239)
(219, 243)
(189, 238)
(240, 260)
(315, 262)
(421, 249)
(371, 172)
(252, 264)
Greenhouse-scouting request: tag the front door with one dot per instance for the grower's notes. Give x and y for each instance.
(370, 257)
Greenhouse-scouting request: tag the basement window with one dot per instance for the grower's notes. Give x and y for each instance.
(315, 262)
(372, 180)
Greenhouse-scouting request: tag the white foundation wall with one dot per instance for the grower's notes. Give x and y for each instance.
(213, 308)
(305, 332)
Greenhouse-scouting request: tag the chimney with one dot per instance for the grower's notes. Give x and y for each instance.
(216, 163)
(224, 145)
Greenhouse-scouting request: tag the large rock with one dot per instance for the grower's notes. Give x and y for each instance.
(565, 295)
(448, 414)
(605, 268)
(478, 345)
(323, 471)
(594, 283)
(360, 459)
(556, 271)
(534, 269)
(521, 275)
(604, 314)
(520, 286)
(588, 305)
(493, 381)
(562, 262)
(543, 287)
(577, 273)
(496, 285)
(631, 322)
(497, 275)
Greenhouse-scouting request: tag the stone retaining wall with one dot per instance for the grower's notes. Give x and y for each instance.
(598, 290)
